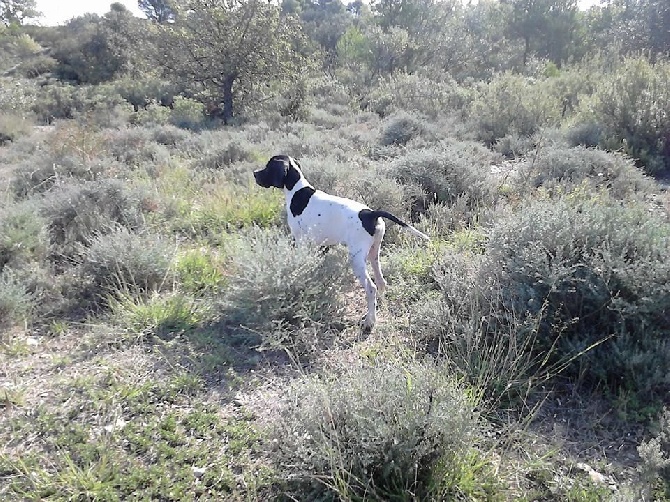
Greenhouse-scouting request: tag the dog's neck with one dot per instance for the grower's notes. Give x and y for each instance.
(300, 183)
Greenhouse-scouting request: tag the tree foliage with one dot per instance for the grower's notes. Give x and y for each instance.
(17, 11)
(160, 11)
(230, 51)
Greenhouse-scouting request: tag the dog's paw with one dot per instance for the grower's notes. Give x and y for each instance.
(367, 323)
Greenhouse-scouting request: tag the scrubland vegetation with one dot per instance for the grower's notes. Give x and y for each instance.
(162, 338)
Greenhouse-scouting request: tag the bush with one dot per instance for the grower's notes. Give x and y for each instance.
(389, 431)
(142, 92)
(480, 338)
(23, 236)
(41, 174)
(598, 272)
(76, 213)
(152, 114)
(133, 146)
(566, 169)
(137, 264)
(225, 156)
(275, 283)
(165, 316)
(655, 465)
(401, 128)
(38, 65)
(187, 113)
(447, 173)
(416, 93)
(512, 104)
(631, 106)
(15, 300)
(64, 101)
(586, 133)
(169, 135)
(13, 126)
(199, 271)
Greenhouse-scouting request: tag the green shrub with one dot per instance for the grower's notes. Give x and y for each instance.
(65, 101)
(38, 65)
(596, 271)
(586, 133)
(72, 150)
(133, 146)
(401, 128)
(187, 113)
(199, 271)
(17, 97)
(565, 169)
(417, 93)
(40, 174)
(13, 126)
(328, 91)
(389, 431)
(655, 465)
(23, 236)
(631, 106)
(481, 339)
(76, 213)
(16, 302)
(231, 153)
(275, 282)
(512, 104)
(142, 92)
(169, 135)
(137, 264)
(152, 114)
(447, 173)
(164, 316)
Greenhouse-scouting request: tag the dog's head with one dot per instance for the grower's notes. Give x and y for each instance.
(281, 171)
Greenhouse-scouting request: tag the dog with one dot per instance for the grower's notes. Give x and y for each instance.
(327, 220)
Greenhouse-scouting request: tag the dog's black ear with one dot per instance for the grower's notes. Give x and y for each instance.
(277, 168)
(292, 173)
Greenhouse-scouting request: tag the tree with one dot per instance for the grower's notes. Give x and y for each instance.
(546, 26)
(324, 21)
(426, 25)
(17, 11)
(160, 11)
(228, 49)
(632, 26)
(94, 49)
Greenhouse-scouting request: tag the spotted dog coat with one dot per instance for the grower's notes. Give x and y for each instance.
(327, 220)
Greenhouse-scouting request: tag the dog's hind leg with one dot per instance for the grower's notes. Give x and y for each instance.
(373, 256)
(359, 264)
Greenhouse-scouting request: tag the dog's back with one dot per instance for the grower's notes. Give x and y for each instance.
(329, 220)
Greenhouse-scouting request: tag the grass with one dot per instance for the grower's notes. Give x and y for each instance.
(116, 428)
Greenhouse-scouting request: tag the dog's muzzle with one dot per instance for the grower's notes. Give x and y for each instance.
(260, 179)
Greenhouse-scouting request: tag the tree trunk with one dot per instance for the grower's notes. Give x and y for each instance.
(228, 109)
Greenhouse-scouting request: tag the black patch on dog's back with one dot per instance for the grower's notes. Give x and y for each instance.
(291, 178)
(369, 220)
(300, 199)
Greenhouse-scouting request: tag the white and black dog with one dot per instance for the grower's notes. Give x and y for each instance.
(327, 220)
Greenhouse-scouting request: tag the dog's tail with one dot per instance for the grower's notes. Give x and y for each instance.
(395, 219)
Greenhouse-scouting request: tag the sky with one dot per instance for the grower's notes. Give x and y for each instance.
(59, 11)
